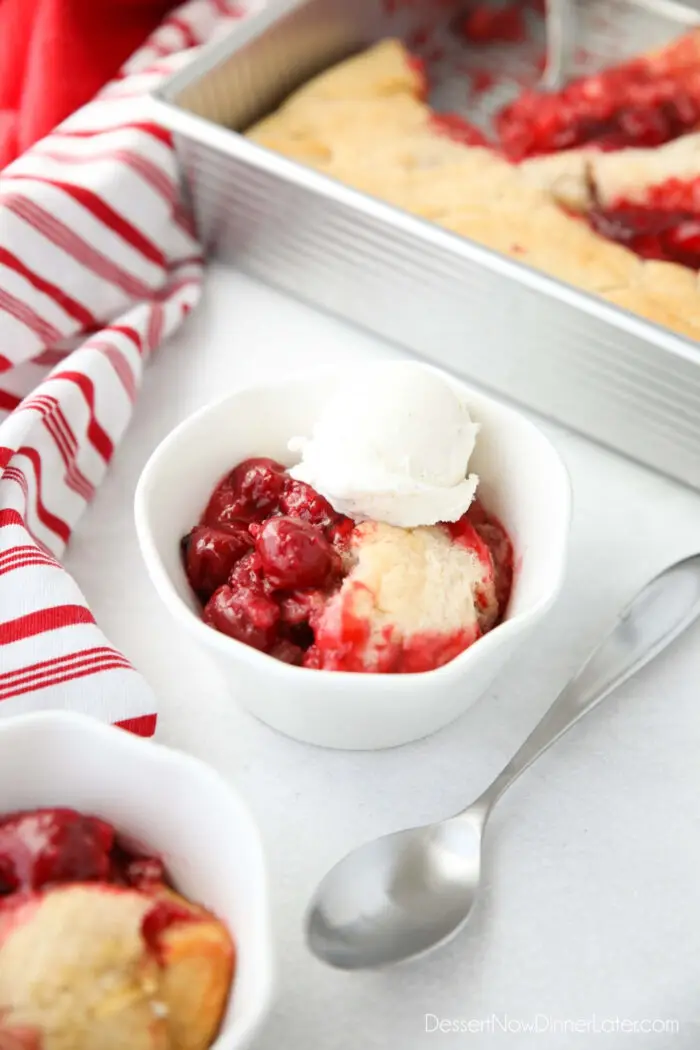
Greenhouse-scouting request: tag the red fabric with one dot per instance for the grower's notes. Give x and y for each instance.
(56, 54)
(98, 267)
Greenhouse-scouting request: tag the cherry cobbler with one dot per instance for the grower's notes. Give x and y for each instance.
(597, 185)
(274, 566)
(97, 950)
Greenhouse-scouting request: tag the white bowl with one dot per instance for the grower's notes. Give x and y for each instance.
(172, 805)
(524, 483)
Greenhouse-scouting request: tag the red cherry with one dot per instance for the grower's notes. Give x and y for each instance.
(299, 500)
(258, 484)
(300, 607)
(210, 555)
(249, 493)
(340, 534)
(287, 652)
(224, 508)
(52, 846)
(244, 615)
(247, 575)
(293, 553)
(289, 543)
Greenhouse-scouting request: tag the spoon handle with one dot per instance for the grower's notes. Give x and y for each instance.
(661, 611)
(561, 33)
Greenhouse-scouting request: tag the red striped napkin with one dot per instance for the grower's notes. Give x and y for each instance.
(98, 265)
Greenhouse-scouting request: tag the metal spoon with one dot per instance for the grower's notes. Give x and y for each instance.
(560, 28)
(404, 894)
(563, 33)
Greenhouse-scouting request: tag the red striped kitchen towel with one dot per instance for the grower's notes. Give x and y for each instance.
(98, 265)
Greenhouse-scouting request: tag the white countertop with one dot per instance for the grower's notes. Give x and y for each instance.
(591, 909)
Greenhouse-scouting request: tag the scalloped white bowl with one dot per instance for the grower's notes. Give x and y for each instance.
(523, 481)
(173, 805)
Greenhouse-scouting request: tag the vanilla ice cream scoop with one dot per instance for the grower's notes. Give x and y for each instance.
(392, 445)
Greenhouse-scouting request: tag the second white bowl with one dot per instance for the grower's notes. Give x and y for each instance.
(174, 807)
(523, 482)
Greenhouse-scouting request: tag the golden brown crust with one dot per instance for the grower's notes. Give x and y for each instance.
(380, 71)
(364, 123)
(197, 973)
(629, 174)
(197, 961)
(74, 965)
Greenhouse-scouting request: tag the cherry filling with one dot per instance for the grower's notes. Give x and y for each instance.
(49, 847)
(52, 846)
(164, 914)
(210, 555)
(665, 226)
(265, 558)
(249, 493)
(294, 553)
(496, 542)
(269, 553)
(45, 848)
(349, 643)
(643, 103)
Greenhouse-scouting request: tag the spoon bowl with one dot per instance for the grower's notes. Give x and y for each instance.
(398, 897)
(407, 893)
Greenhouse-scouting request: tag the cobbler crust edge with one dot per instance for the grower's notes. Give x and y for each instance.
(364, 123)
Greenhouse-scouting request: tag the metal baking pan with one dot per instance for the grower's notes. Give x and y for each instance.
(623, 381)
